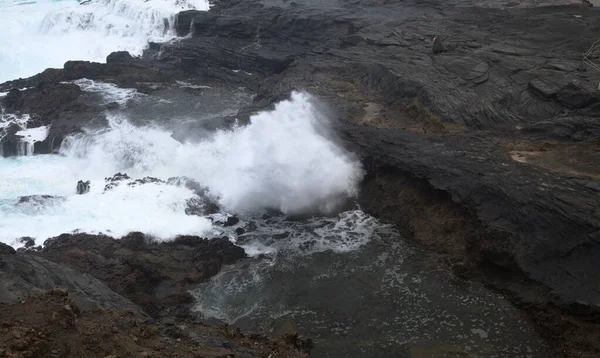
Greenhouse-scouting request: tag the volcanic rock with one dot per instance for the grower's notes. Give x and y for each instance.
(83, 187)
(150, 274)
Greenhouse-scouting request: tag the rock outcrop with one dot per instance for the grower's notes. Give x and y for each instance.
(49, 309)
(154, 275)
(23, 275)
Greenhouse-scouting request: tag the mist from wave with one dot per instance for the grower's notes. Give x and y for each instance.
(40, 34)
(283, 160)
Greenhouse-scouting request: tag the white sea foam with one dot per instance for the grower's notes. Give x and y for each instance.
(28, 136)
(8, 119)
(346, 232)
(47, 33)
(109, 91)
(33, 135)
(157, 209)
(282, 160)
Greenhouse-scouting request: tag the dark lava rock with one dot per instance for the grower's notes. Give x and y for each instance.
(184, 20)
(524, 225)
(40, 199)
(10, 141)
(146, 180)
(281, 236)
(437, 46)
(151, 274)
(6, 249)
(115, 180)
(13, 100)
(191, 184)
(83, 187)
(117, 177)
(201, 206)
(240, 231)
(25, 274)
(576, 95)
(28, 242)
(154, 46)
(231, 221)
(122, 57)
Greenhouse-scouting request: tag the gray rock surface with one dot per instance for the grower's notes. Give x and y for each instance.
(22, 275)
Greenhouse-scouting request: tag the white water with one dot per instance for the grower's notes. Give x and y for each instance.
(282, 160)
(109, 91)
(47, 33)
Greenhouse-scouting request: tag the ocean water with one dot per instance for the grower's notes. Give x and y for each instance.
(38, 34)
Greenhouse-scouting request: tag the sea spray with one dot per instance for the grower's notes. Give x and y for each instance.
(282, 160)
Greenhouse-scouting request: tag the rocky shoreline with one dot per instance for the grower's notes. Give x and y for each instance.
(132, 301)
(485, 153)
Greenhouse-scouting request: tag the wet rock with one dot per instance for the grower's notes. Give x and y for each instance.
(10, 141)
(40, 199)
(28, 242)
(146, 180)
(201, 206)
(154, 46)
(184, 20)
(13, 101)
(6, 249)
(115, 180)
(231, 221)
(122, 57)
(188, 183)
(83, 187)
(281, 236)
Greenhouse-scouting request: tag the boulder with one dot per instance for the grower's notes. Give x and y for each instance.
(121, 57)
(83, 187)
